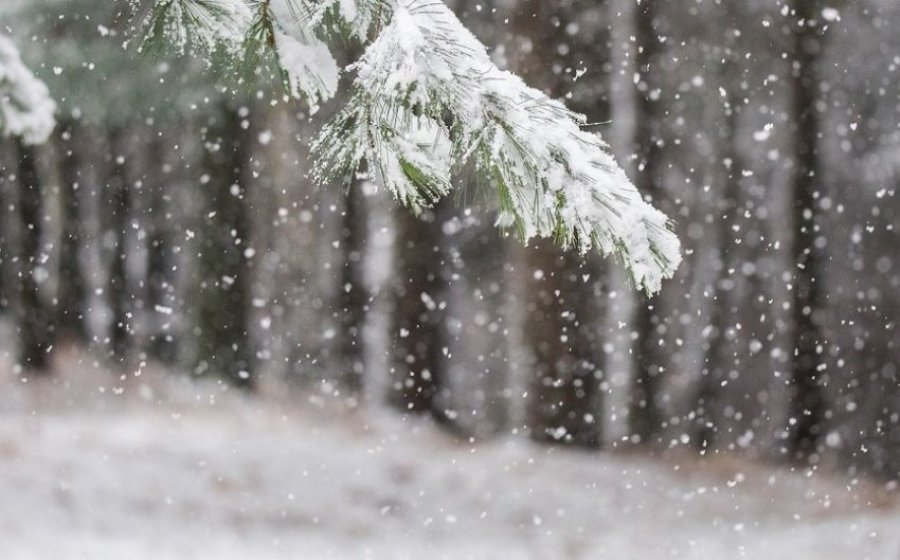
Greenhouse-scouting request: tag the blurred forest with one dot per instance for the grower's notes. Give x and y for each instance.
(170, 219)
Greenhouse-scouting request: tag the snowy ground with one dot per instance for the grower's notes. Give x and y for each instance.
(172, 471)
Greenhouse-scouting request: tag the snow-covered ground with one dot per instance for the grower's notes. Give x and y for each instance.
(95, 467)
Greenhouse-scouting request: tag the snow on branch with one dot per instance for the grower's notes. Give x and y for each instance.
(204, 24)
(26, 108)
(426, 99)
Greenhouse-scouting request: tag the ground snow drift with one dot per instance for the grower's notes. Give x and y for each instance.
(149, 469)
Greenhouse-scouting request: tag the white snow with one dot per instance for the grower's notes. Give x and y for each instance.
(26, 108)
(831, 14)
(427, 99)
(149, 468)
(554, 178)
(312, 71)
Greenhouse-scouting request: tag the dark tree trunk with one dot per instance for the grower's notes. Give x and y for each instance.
(8, 278)
(565, 403)
(72, 292)
(717, 360)
(160, 262)
(223, 303)
(34, 326)
(807, 407)
(118, 207)
(650, 357)
(417, 332)
(354, 297)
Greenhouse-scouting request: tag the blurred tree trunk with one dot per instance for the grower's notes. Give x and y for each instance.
(223, 302)
(716, 359)
(353, 297)
(717, 362)
(476, 391)
(807, 407)
(161, 262)
(34, 327)
(565, 400)
(650, 359)
(72, 292)
(417, 332)
(8, 278)
(118, 206)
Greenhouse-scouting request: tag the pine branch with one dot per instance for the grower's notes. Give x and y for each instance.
(26, 108)
(201, 24)
(407, 153)
(552, 178)
(427, 99)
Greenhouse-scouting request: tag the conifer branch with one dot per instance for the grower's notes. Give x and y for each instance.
(426, 100)
(26, 108)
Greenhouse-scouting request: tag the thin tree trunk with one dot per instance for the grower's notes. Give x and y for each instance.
(8, 278)
(650, 360)
(118, 205)
(418, 363)
(353, 297)
(223, 341)
(717, 363)
(807, 407)
(72, 292)
(161, 262)
(33, 323)
(715, 368)
(565, 402)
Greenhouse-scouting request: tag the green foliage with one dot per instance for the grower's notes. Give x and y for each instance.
(426, 100)
(80, 48)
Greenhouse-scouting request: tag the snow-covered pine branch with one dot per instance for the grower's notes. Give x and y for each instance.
(427, 99)
(26, 108)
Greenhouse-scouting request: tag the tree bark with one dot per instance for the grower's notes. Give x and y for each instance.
(807, 406)
(565, 403)
(8, 189)
(716, 359)
(34, 326)
(354, 297)
(650, 359)
(72, 292)
(161, 262)
(417, 334)
(118, 204)
(223, 341)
